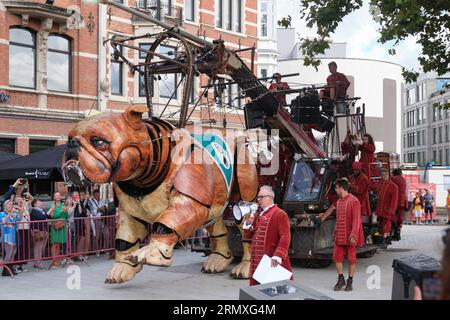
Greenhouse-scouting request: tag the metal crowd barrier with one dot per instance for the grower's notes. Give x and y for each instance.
(62, 241)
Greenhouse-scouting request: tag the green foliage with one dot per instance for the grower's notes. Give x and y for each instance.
(427, 20)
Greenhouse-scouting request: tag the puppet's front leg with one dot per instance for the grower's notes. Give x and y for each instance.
(179, 221)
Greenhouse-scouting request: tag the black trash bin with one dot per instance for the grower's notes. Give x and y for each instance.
(407, 274)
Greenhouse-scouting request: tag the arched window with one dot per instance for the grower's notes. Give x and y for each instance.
(22, 57)
(58, 63)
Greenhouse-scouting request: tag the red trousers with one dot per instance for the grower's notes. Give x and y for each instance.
(385, 225)
(341, 252)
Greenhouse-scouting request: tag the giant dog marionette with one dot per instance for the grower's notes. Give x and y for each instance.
(178, 184)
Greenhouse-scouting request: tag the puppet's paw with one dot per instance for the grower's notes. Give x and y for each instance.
(156, 253)
(241, 270)
(122, 272)
(216, 263)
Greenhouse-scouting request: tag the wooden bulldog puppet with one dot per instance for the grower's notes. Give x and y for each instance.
(159, 180)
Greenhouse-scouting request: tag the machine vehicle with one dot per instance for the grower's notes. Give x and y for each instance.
(305, 172)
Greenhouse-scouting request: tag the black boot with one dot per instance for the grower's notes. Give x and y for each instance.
(383, 243)
(388, 240)
(340, 283)
(349, 286)
(5, 273)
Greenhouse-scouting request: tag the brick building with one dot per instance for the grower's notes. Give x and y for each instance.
(57, 68)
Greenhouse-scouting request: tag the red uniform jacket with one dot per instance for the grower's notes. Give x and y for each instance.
(270, 235)
(401, 185)
(279, 86)
(359, 187)
(367, 157)
(348, 222)
(387, 198)
(341, 82)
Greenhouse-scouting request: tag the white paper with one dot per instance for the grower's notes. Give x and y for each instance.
(265, 273)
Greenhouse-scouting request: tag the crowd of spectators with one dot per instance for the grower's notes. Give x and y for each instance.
(72, 226)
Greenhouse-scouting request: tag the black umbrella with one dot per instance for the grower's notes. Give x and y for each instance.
(42, 165)
(6, 156)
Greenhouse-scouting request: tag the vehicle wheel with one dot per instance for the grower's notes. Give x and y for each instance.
(368, 254)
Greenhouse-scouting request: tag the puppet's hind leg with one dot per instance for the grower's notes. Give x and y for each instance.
(220, 256)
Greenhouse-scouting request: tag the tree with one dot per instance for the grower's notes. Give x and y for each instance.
(427, 20)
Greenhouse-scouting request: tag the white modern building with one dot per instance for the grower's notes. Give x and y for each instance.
(378, 83)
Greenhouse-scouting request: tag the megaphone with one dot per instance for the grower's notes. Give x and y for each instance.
(242, 209)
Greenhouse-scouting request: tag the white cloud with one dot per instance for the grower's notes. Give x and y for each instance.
(360, 32)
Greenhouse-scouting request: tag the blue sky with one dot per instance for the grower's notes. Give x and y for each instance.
(359, 31)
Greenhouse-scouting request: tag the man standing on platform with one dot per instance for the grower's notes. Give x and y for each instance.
(269, 231)
(348, 234)
(387, 198)
(359, 187)
(398, 179)
(279, 85)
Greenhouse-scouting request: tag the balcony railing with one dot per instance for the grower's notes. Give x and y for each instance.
(162, 10)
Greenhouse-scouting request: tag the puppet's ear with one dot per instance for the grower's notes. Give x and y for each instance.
(133, 116)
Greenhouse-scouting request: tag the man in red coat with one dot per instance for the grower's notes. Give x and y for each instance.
(398, 179)
(348, 234)
(337, 83)
(387, 199)
(269, 231)
(279, 85)
(359, 187)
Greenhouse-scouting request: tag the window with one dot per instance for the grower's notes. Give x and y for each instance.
(141, 82)
(424, 137)
(167, 7)
(411, 139)
(410, 96)
(229, 14)
(264, 19)
(419, 116)
(189, 9)
(411, 157)
(434, 136)
(168, 82)
(440, 157)
(144, 46)
(238, 16)
(22, 58)
(447, 133)
(435, 112)
(404, 120)
(447, 157)
(440, 134)
(419, 136)
(263, 73)
(219, 13)
(58, 64)
(411, 118)
(434, 156)
(116, 75)
(39, 145)
(440, 114)
(420, 92)
(7, 145)
(424, 114)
